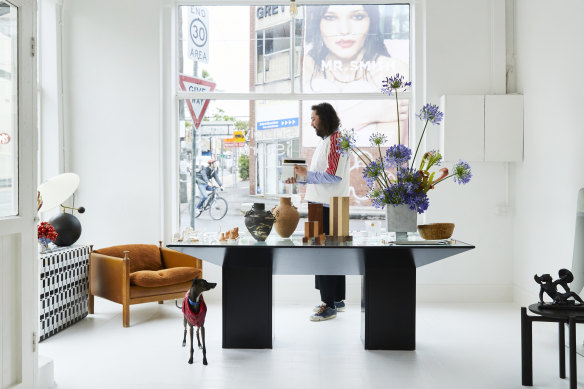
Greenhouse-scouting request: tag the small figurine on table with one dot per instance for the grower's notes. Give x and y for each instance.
(550, 287)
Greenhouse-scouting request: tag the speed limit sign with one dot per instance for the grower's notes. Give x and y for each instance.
(199, 34)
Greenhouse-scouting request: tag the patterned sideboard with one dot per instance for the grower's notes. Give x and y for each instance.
(63, 288)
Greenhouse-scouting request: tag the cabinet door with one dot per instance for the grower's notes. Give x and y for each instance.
(462, 131)
(504, 128)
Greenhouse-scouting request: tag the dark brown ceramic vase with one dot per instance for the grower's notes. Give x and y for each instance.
(259, 221)
(287, 217)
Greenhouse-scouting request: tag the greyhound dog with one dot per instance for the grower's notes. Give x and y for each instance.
(194, 310)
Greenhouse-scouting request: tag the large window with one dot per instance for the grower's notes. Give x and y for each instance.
(259, 69)
(8, 110)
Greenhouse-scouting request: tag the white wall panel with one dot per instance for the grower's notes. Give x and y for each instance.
(112, 76)
(546, 184)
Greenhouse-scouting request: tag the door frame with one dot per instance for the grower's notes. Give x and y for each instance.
(18, 246)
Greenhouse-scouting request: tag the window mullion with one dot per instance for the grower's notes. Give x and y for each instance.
(181, 95)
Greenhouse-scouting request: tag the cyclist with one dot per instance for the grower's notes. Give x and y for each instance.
(204, 177)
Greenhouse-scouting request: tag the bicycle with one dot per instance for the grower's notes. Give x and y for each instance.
(216, 205)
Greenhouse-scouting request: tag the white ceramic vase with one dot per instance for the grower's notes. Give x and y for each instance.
(401, 220)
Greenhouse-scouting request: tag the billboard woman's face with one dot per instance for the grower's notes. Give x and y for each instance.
(344, 29)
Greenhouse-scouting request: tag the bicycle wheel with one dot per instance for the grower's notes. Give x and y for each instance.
(198, 211)
(218, 208)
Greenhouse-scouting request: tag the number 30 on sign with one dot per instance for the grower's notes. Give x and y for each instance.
(199, 34)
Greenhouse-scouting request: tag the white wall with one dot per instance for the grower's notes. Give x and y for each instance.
(112, 78)
(112, 117)
(465, 55)
(549, 74)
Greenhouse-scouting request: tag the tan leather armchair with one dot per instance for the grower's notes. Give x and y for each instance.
(140, 273)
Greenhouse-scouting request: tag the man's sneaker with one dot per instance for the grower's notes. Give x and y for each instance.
(339, 305)
(324, 313)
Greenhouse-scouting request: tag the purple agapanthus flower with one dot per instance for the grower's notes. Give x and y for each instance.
(407, 190)
(461, 172)
(346, 142)
(377, 198)
(371, 172)
(377, 139)
(394, 83)
(430, 113)
(398, 155)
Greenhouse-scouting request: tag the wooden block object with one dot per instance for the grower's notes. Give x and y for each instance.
(339, 216)
(315, 215)
(310, 229)
(321, 239)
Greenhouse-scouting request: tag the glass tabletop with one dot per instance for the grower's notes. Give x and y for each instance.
(357, 239)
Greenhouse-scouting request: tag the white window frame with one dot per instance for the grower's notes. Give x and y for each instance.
(172, 95)
(18, 245)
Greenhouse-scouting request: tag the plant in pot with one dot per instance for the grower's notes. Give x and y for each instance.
(394, 182)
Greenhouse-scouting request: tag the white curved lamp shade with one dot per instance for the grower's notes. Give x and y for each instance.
(57, 189)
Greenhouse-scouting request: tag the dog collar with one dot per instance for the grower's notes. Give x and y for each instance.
(191, 302)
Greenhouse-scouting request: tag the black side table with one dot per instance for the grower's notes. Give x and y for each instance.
(570, 317)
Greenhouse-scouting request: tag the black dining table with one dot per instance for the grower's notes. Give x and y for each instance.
(388, 270)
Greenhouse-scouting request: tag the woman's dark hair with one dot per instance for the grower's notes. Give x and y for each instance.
(328, 117)
(374, 46)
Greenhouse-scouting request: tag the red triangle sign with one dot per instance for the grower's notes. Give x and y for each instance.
(196, 106)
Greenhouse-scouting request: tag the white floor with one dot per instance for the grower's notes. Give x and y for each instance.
(457, 346)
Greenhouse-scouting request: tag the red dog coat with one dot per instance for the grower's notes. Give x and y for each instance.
(195, 319)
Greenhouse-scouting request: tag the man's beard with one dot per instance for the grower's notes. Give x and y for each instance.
(320, 132)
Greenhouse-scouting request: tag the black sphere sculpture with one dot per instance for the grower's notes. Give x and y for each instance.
(67, 227)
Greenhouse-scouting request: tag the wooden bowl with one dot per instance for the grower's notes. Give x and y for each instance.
(435, 231)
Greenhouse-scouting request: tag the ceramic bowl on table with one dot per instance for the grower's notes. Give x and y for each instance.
(434, 231)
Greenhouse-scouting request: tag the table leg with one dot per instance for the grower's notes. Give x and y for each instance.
(247, 298)
(562, 347)
(526, 349)
(388, 301)
(573, 374)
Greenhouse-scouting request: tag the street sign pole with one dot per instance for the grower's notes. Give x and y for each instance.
(193, 177)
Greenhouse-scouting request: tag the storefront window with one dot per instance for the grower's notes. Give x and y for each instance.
(324, 53)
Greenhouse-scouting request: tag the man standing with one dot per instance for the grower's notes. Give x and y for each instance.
(204, 177)
(328, 176)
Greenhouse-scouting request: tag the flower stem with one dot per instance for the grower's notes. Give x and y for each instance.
(419, 143)
(443, 179)
(362, 153)
(385, 178)
(398, 127)
(366, 164)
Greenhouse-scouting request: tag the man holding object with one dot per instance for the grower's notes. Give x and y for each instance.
(328, 176)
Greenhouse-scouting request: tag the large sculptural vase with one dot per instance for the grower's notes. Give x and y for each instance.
(259, 221)
(287, 217)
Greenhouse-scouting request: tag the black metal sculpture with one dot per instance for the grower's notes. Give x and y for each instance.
(550, 287)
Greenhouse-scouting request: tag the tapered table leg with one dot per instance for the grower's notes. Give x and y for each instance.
(247, 298)
(388, 301)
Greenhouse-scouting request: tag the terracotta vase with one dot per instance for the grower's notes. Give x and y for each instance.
(259, 221)
(287, 217)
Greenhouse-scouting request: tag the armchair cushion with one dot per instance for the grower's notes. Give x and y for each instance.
(142, 256)
(164, 277)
